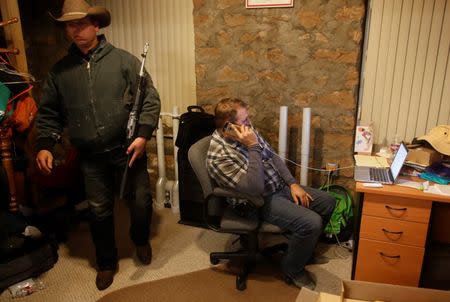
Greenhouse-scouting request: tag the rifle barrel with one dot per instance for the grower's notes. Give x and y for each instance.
(133, 118)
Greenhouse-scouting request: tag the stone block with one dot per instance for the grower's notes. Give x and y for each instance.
(350, 14)
(304, 99)
(206, 54)
(309, 19)
(276, 55)
(216, 93)
(227, 74)
(225, 4)
(343, 99)
(234, 20)
(248, 38)
(275, 76)
(348, 57)
(326, 54)
(200, 20)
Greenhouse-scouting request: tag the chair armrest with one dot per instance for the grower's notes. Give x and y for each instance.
(257, 201)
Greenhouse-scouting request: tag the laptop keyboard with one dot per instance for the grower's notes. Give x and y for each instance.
(377, 174)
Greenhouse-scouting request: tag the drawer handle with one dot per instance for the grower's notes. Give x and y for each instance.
(395, 209)
(392, 232)
(388, 256)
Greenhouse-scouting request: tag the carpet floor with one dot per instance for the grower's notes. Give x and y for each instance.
(178, 250)
(213, 284)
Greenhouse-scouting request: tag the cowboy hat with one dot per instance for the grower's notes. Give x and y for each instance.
(79, 9)
(439, 138)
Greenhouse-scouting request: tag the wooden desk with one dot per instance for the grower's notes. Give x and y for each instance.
(392, 233)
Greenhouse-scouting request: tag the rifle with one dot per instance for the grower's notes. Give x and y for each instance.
(133, 117)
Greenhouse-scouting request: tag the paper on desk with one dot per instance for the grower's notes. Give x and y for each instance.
(444, 189)
(371, 161)
(433, 190)
(438, 190)
(409, 183)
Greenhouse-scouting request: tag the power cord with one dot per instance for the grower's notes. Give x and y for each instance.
(310, 168)
(346, 245)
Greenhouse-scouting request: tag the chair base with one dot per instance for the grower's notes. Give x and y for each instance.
(249, 258)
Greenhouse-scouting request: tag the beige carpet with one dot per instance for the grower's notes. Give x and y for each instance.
(212, 284)
(178, 249)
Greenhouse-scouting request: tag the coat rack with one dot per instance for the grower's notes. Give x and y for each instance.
(5, 141)
(6, 156)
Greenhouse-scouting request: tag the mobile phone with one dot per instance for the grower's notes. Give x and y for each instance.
(226, 127)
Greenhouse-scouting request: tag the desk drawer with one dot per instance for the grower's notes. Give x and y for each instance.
(393, 230)
(388, 263)
(397, 207)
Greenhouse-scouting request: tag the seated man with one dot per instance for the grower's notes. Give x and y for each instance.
(240, 159)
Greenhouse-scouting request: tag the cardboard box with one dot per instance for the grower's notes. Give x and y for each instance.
(423, 156)
(356, 291)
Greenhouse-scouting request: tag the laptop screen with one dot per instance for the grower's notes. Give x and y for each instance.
(398, 161)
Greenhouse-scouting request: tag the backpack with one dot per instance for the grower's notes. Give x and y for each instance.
(22, 256)
(24, 113)
(341, 221)
(194, 125)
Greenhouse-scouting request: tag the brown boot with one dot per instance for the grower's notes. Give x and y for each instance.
(144, 253)
(104, 279)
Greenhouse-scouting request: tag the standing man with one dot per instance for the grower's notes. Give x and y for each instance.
(240, 159)
(91, 92)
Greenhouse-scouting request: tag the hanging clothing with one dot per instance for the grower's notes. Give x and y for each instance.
(16, 81)
(5, 94)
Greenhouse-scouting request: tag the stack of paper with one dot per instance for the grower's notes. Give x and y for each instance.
(443, 189)
(371, 161)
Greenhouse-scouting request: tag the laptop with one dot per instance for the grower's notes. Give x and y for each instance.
(383, 175)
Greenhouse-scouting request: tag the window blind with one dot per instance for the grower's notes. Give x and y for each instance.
(168, 26)
(405, 86)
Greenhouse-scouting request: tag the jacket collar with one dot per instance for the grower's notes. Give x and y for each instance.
(97, 53)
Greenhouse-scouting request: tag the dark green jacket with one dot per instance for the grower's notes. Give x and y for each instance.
(93, 100)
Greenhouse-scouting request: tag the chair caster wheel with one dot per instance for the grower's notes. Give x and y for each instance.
(241, 283)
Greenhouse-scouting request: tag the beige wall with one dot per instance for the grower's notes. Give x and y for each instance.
(305, 56)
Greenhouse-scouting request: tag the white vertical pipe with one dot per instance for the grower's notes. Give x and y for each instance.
(175, 187)
(161, 182)
(306, 130)
(282, 133)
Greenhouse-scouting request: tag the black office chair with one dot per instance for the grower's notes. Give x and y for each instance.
(221, 217)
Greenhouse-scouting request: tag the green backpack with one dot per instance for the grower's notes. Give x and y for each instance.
(341, 222)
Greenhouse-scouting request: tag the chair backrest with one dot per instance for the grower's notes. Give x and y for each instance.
(197, 158)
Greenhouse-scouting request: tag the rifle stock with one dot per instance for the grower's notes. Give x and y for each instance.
(133, 118)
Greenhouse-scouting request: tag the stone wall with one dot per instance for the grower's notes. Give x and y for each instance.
(305, 56)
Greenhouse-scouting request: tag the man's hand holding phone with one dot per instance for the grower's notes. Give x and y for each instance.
(241, 133)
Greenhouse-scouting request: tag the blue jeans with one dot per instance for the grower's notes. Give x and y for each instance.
(102, 172)
(304, 224)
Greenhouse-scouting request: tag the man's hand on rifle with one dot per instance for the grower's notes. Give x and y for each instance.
(137, 147)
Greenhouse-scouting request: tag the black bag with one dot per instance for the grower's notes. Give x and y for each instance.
(22, 257)
(194, 125)
(37, 256)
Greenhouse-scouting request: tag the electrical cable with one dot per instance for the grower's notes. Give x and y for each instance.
(339, 244)
(314, 169)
